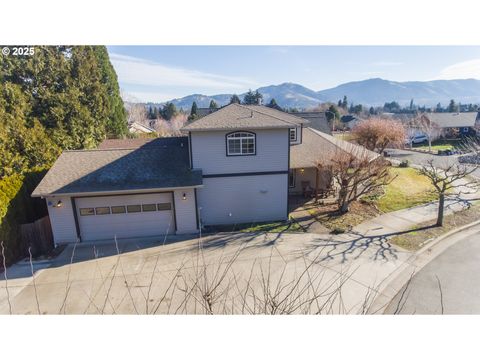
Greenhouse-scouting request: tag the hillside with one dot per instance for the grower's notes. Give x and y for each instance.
(371, 92)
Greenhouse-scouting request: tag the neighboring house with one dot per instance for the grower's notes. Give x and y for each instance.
(237, 165)
(445, 124)
(316, 120)
(349, 121)
(201, 112)
(454, 123)
(138, 128)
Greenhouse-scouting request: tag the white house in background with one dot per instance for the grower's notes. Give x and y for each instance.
(138, 128)
(236, 165)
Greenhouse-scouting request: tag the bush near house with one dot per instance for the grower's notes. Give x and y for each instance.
(16, 208)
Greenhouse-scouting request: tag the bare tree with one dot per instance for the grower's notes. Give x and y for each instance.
(450, 176)
(425, 126)
(376, 133)
(357, 173)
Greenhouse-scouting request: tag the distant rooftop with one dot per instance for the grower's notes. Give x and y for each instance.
(316, 120)
(236, 116)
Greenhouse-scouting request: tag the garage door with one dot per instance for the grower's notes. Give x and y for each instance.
(127, 216)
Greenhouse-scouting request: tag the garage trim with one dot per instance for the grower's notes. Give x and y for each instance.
(74, 206)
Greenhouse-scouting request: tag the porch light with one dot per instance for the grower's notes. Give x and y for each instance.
(302, 170)
(58, 204)
(184, 197)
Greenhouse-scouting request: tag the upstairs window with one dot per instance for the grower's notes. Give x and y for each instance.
(241, 143)
(293, 135)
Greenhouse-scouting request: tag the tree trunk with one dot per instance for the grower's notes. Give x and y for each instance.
(344, 207)
(429, 144)
(441, 203)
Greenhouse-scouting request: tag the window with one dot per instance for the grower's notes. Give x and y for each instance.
(164, 206)
(240, 143)
(293, 135)
(118, 210)
(87, 211)
(104, 210)
(149, 207)
(291, 178)
(134, 208)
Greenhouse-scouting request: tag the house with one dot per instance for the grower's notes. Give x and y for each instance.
(453, 124)
(236, 165)
(316, 120)
(137, 128)
(446, 125)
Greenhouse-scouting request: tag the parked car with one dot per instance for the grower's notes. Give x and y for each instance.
(418, 139)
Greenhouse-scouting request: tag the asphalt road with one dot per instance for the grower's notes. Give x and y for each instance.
(418, 158)
(449, 284)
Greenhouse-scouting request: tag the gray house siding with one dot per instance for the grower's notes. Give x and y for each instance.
(62, 220)
(209, 153)
(243, 199)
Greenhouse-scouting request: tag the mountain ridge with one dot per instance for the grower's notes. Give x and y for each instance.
(369, 92)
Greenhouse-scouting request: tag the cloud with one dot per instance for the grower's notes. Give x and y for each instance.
(137, 71)
(387, 63)
(462, 70)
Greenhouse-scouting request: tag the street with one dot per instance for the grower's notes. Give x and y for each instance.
(449, 284)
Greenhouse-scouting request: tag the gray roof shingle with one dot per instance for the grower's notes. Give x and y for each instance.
(316, 120)
(159, 163)
(317, 147)
(236, 116)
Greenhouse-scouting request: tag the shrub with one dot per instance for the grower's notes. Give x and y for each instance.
(404, 164)
(18, 207)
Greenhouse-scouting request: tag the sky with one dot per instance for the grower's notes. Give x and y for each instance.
(161, 73)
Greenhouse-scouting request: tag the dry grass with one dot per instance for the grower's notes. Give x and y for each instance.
(421, 233)
(329, 217)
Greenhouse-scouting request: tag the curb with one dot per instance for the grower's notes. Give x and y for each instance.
(417, 261)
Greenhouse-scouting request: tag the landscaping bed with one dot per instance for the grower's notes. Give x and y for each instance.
(423, 233)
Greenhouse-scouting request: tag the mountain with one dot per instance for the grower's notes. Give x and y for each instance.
(378, 91)
(371, 92)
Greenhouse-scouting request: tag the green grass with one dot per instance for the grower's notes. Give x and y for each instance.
(409, 189)
(439, 145)
(273, 227)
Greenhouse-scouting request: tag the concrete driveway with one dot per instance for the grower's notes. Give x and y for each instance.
(449, 284)
(221, 274)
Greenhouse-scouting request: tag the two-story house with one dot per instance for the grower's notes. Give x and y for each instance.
(236, 165)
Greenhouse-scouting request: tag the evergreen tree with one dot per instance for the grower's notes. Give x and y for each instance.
(345, 102)
(193, 112)
(411, 105)
(213, 105)
(169, 111)
(273, 104)
(452, 107)
(339, 104)
(234, 99)
(439, 108)
(252, 98)
(372, 111)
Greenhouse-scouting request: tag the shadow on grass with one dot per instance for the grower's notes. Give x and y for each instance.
(356, 244)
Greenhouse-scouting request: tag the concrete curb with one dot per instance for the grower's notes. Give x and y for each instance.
(414, 263)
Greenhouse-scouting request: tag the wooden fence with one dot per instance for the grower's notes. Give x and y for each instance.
(38, 235)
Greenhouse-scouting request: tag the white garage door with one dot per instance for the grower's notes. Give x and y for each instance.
(125, 216)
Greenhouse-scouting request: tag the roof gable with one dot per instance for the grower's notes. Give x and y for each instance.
(236, 116)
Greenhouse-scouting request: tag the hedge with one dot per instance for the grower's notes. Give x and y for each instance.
(18, 207)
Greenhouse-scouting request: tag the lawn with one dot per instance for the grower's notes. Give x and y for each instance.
(407, 190)
(423, 233)
(439, 145)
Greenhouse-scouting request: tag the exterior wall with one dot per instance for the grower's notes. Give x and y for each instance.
(185, 211)
(209, 152)
(243, 199)
(62, 220)
(308, 175)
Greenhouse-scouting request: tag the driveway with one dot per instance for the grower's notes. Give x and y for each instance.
(449, 284)
(221, 274)
(418, 158)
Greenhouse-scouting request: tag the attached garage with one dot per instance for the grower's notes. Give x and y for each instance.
(128, 189)
(104, 217)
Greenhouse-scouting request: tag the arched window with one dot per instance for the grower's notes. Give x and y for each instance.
(241, 143)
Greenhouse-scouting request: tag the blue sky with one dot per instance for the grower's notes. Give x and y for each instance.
(160, 73)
